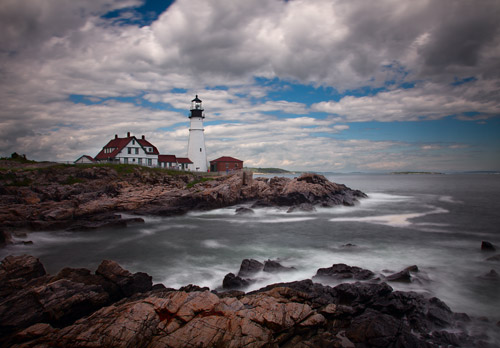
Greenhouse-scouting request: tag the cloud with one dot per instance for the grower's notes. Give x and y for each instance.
(426, 101)
(52, 49)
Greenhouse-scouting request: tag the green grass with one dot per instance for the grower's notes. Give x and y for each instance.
(197, 181)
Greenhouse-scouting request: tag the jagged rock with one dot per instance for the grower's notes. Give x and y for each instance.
(491, 275)
(54, 201)
(376, 329)
(232, 282)
(343, 271)
(297, 314)
(127, 282)
(24, 266)
(487, 246)
(304, 207)
(244, 211)
(403, 276)
(274, 266)
(250, 267)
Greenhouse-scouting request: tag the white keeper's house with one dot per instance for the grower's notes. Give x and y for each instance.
(133, 150)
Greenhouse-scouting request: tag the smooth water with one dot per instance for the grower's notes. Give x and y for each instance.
(434, 221)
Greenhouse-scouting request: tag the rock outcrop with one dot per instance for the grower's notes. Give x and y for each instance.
(80, 198)
(74, 309)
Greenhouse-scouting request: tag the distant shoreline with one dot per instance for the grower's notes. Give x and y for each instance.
(417, 173)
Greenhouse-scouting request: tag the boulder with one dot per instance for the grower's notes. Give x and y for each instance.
(127, 283)
(24, 266)
(487, 246)
(250, 267)
(274, 266)
(232, 282)
(73, 310)
(403, 276)
(244, 211)
(375, 329)
(343, 271)
(491, 275)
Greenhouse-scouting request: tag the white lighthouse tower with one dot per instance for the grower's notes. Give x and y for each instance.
(196, 145)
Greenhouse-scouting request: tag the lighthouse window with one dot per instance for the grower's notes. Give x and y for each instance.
(200, 149)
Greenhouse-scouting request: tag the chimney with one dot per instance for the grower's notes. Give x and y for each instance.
(143, 137)
(116, 136)
(128, 134)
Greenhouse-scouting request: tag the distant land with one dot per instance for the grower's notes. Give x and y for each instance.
(417, 173)
(270, 171)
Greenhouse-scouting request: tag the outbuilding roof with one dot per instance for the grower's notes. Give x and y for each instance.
(183, 160)
(167, 158)
(226, 159)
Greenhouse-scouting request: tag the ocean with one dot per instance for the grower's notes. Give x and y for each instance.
(436, 222)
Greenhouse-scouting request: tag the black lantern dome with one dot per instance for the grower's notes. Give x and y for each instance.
(196, 108)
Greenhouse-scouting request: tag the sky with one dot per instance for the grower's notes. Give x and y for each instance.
(320, 85)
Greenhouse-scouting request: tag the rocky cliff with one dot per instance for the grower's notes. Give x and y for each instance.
(83, 197)
(115, 308)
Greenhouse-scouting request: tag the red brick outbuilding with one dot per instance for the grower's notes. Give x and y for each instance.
(225, 164)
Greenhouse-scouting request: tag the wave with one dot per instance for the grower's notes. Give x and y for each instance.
(394, 220)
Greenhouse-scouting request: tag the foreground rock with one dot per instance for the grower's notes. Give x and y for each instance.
(81, 198)
(29, 295)
(74, 309)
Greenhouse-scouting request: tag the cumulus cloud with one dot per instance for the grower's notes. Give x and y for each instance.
(51, 49)
(427, 101)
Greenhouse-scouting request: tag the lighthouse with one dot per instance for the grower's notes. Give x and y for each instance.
(196, 145)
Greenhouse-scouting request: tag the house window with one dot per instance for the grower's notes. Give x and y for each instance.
(133, 142)
(133, 159)
(139, 161)
(136, 150)
(129, 150)
(150, 162)
(125, 160)
(236, 165)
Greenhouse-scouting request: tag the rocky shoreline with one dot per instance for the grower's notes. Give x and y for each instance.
(51, 197)
(112, 307)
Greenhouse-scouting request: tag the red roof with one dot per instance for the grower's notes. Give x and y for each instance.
(119, 143)
(183, 160)
(167, 158)
(146, 143)
(87, 157)
(226, 159)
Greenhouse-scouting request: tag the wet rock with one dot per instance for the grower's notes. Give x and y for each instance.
(244, 211)
(492, 275)
(296, 314)
(5, 238)
(304, 207)
(193, 288)
(403, 276)
(348, 245)
(58, 303)
(232, 282)
(343, 271)
(127, 282)
(487, 246)
(24, 266)
(250, 267)
(376, 329)
(274, 266)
